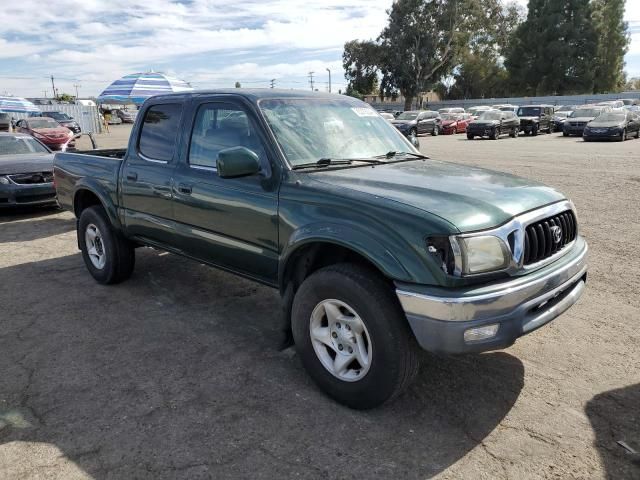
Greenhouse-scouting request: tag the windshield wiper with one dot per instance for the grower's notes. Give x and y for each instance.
(393, 154)
(330, 162)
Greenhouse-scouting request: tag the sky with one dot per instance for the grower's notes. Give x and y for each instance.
(209, 43)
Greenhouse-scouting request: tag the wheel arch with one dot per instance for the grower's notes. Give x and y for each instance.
(88, 194)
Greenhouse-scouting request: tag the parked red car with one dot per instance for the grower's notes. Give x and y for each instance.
(455, 122)
(48, 131)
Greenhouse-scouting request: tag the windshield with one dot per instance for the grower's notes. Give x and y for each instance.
(529, 111)
(407, 116)
(585, 112)
(490, 115)
(43, 123)
(611, 117)
(312, 129)
(58, 115)
(10, 145)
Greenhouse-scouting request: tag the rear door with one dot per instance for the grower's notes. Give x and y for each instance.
(146, 179)
(228, 222)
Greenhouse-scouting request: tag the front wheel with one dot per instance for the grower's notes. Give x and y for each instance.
(534, 131)
(495, 135)
(436, 131)
(352, 336)
(565, 134)
(109, 257)
(552, 128)
(413, 136)
(514, 132)
(470, 136)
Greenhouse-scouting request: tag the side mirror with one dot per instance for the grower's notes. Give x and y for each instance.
(237, 162)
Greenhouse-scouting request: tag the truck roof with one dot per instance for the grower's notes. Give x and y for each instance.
(255, 94)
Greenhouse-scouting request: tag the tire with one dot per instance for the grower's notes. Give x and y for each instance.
(347, 289)
(413, 135)
(623, 135)
(565, 134)
(534, 131)
(514, 133)
(496, 134)
(436, 131)
(470, 136)
(118, 255)
(552, 128)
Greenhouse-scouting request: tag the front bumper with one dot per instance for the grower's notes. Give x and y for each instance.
(481, 131)
(573, 130)
(16, 195)
(440, 317)
(529, 127)
(610, 134)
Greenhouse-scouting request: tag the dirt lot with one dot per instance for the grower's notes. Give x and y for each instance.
(176, 373)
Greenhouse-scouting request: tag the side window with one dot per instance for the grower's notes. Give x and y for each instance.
(218, 127)
(159, 131)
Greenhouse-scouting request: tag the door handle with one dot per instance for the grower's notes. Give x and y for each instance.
(133, 176)
(186, 189)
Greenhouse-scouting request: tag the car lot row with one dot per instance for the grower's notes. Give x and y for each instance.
(607, 120)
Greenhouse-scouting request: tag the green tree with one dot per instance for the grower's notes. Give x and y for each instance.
(360, 61)
(238, 85)
(553, 51)
(65, 97)
(613, 44)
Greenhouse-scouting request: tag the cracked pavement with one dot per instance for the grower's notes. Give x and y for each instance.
(176, 373)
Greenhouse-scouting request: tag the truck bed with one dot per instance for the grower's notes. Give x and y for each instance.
(99, 168)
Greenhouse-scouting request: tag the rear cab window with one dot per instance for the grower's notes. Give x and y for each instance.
(159, 131)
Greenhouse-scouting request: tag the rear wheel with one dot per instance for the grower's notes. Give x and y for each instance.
(565, 134)
(109, 257)
(413, 135)
(552, 128)
(495, 135)
(436, 131)
(352, 336)
(470, 136)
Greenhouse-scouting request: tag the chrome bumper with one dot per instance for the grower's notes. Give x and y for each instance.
(439, 317)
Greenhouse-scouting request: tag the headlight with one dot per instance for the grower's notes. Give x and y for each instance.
(480, 254)
(4, 180)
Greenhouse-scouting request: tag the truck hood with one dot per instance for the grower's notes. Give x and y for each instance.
(26, 163)
(470, 198)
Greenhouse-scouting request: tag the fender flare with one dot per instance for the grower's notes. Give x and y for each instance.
(366, 244)
(99, 190)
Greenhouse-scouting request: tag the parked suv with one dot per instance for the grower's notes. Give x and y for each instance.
(536, 118)
(494, 123)
(415, 123)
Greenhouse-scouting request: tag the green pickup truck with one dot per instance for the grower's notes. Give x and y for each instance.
(376, 250)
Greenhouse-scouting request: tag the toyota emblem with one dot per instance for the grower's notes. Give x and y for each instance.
(556, 232)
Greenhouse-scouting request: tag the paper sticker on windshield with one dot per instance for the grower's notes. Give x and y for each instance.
(364, 112)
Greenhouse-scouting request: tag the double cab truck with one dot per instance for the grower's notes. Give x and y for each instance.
(376, 250)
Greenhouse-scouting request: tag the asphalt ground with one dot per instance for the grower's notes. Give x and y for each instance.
(176, 373)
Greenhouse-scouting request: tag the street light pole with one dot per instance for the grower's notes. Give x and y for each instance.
(328, 70)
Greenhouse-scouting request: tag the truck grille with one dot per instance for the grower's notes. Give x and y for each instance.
(578, 124)
(546, 237)
(31, 178)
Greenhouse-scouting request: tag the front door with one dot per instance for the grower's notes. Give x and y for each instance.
(229, 222)
(147, 176)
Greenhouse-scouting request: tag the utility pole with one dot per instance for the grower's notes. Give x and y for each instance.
(45, 93)
(329, 70)
(77, 87)
(311, 80)
(53, 85)
(273, 83)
